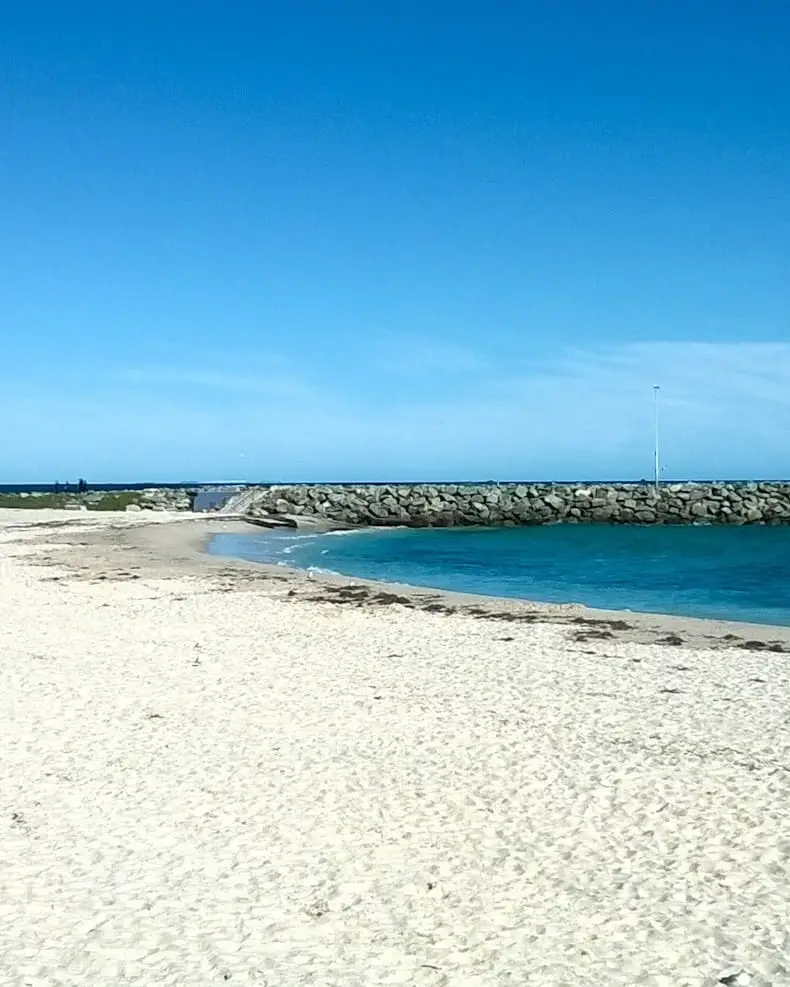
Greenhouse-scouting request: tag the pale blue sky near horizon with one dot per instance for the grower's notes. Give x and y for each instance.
(357, 241)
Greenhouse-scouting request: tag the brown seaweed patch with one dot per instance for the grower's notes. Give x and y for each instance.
(614, 625)
(592, 635)
(388, 599)
(508, 616)
(26, 525)
(343, 594)
(250, 576)
(673, 640)
(359, 595)
(775, 646)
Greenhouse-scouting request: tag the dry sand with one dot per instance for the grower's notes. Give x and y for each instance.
(212, 772)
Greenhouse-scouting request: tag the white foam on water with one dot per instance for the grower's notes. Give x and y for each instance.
(319, 570)
(353, 531)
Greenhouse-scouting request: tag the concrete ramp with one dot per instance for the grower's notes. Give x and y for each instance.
(241, 502)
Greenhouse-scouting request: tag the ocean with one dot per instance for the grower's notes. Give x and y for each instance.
(730, 573)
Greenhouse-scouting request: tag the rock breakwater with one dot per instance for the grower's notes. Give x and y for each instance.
(151, 498)
(511, 504)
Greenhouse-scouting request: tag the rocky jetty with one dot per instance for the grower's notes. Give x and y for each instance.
(510, 504)
(152, 499)
(166, 499)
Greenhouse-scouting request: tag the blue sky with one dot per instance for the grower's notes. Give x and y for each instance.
(401, 240)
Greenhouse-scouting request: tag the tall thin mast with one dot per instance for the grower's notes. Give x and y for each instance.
(656, 459)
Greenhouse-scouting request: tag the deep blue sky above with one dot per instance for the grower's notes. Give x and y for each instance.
(368, 241)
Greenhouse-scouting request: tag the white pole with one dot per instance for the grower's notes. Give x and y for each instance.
(657, 462)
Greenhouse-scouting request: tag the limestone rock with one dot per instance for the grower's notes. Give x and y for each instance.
(511, 503)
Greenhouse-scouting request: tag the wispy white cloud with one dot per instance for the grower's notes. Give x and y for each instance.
(725, 409)
(226, 371)
(272, 384)
(582, 412)
(713, 378)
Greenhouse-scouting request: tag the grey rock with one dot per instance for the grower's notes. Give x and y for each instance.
(511, 503)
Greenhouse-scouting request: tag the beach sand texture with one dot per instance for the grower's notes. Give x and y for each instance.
(209, 777)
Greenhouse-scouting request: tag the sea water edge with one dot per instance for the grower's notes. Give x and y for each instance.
(710, 571)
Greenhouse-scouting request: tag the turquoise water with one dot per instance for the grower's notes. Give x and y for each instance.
(734, 573)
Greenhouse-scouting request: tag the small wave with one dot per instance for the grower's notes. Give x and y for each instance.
(301, 535)
(346, 531)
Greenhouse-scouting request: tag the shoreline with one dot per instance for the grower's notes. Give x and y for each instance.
(178, 544)
(698, 628)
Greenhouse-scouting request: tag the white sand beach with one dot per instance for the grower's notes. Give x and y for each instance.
(212, 773)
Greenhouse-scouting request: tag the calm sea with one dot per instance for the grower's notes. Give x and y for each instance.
(734, 573)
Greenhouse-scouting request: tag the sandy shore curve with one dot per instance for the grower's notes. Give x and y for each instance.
(214, 772)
